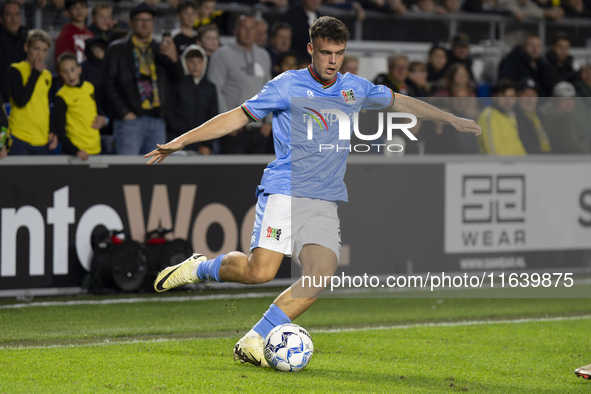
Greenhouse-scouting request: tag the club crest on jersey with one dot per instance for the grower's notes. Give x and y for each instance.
(273, 233)
(348, 95)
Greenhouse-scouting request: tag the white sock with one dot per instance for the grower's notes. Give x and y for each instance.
(253, 334)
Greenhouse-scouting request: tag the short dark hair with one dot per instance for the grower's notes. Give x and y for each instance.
(503, 85)
(330, 29)
(202, 31)
(194, 53)
(183, 5)
(438, 46)
(66, 56)
(71, 3)
(3, 5)
(560, 36)
(278, 26)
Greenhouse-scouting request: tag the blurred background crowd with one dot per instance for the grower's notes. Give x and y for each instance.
(84, 78)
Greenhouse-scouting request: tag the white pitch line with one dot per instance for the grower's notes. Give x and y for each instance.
(141, 300)
(316, 331)
(454, 324)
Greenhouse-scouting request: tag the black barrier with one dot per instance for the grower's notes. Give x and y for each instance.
(49, 210)
(403, 212)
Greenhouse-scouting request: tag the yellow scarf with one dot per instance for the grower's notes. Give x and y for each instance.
(146, 66)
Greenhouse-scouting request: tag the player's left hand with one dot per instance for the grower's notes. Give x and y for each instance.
(163, 151)
(168, 49)
(466, 126)
(99, 122)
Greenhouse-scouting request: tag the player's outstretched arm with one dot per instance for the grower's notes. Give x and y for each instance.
(215, 128)
(425, 111)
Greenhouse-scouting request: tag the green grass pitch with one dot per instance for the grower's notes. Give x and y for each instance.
(361, 345)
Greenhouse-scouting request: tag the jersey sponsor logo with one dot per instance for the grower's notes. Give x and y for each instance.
(349, 96)
(310, 93)
(317, 116)
(273, 233)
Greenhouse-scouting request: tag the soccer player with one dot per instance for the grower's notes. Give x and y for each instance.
(296, 212)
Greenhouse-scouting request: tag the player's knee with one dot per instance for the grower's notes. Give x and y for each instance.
(261, 276)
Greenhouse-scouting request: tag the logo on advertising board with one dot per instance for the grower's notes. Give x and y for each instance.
(512, 206)
(485, 211)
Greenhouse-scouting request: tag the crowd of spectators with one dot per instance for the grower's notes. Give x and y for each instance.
(118, 90)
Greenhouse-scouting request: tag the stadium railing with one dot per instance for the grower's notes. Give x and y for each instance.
(377, 26)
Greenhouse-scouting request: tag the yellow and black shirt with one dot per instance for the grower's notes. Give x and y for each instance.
(74, 112)
(218, 18)
(29, 100)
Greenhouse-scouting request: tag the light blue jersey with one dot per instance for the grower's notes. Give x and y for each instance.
(306, 117)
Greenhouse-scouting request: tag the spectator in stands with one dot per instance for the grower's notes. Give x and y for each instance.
(185, 35)
(102, 20)
(530, 127)
(583, 84)
(3, 129)
(460, 53)
(417, 80)
(480, 6)
(423, 6)
(559, 63)
(261, 33)
(300, 17)
(525, 61)
(29, 84)
(138, 84)
(575, 9)
(285, 62)
(436, 64)
(448, 6)
(276, 3)
(77, 120)
(557, 115)
(239, 71)
(279, 40)
(12, 41)
(208, 38)
(499, 127)
(386, 6)
(444, 139)
(395, 79)
(93, 71)
(207, 15)
(74, 34)
(529, 9)
(350, 65)
(92, 67)
(465, 105)
(194, 98)
(457, 74)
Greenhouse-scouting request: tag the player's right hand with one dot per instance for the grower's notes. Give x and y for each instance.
(163, 151)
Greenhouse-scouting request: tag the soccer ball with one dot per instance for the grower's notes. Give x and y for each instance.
(288, 348)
